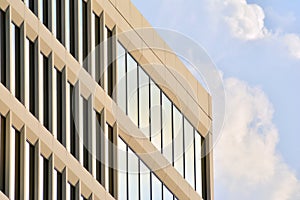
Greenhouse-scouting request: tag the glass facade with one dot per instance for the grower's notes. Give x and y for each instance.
(159, 119)
(136, 181)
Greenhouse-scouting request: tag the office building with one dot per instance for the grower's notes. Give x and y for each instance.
(91, 109)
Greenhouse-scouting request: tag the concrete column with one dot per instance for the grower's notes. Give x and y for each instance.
(54, 103)
(68, 111)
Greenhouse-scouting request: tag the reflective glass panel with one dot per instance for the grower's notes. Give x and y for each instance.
(144, 102)
(178, 140)
(189, 152)
(155, 111)
(167, 127)
(133, 178)
(121, 78)
(132, 89)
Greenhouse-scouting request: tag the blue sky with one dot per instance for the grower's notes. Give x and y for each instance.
(256, 44)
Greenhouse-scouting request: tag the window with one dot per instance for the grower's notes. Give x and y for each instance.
(2, 152)
(16, 64)
(110, 67)
(155, 113)
(31, 170)
(32, 5)
(144, 181)
(99, 150)
(58, 179)
(198, 167)
(167, 128)
(156, 187)
(45, 13)
(122, 169)
(121, 82)
(132, 93)
(33, 77)
(87, 157)
(144, 102)
(167, 195)
(3, 50)
(73, 191)
(59, 20)
(109, 161)
(189, 153)
(47, 90)
(60, 109)
(74, 137)
(97, 51)
(16, 137)
(45, 178)
(84, 35)
(133, 175)
(178, 140)
(73, 27)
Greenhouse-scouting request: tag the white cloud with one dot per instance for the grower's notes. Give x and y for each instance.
(246, 21)
(293, 43)
(247, 165)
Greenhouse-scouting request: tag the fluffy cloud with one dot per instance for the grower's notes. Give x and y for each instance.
(246, 21)
(292, 41)
(247, 165)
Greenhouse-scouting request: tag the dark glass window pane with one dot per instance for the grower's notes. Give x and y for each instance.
(2, 48)
(47, 79)
(84, 35)
(198, 162)
(60, 20)
(110, 70)
(97, 55)
(86, 137)
(17, 163)
(33, 6)
(111, 184)
(59, 106)
(72, 32)
(72, 192)
(33, 79)
(59, 185)
(32, 171)
(19, 71)
(99, 149)
(2, 153)
(46, 180)
(74, 137)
